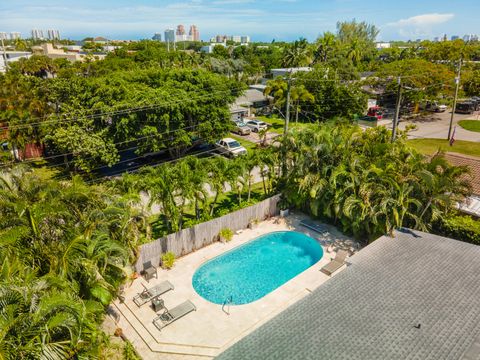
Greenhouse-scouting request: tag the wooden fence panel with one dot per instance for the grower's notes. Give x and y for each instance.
(188, 240)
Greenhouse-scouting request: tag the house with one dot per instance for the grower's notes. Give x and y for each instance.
(238, 113)
(411, 296)
(253, 100)
(12, 56)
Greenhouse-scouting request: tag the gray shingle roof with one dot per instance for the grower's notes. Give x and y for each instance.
(369, 310)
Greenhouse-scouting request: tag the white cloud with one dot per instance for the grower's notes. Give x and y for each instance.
(419, 26)
(425, 20)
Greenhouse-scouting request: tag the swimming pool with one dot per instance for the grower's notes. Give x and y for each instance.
(253, 270)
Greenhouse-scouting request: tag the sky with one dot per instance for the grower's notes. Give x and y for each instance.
(262, 20)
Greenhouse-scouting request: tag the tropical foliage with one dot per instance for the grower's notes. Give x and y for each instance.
(64, 249)
(365, 184)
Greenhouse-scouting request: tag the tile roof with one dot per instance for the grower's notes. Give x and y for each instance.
(370, 309)
(472, 162)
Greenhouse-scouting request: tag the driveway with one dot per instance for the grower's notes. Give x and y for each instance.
(436, 126)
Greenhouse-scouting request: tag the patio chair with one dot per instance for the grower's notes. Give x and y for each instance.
(336, 263)
(148, 294)
(169, 316)
(149, 271)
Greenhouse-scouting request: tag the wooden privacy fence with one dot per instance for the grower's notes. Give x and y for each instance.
(201, 235)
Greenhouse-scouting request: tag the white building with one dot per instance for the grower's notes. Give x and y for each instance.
(3, 35)
(14, 35)
(383, 45)
(37, 34)
(245, 39)
(209, 48)
(12, 56)
(53, 34)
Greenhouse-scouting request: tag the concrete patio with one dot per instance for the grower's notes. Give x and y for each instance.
(208, 331)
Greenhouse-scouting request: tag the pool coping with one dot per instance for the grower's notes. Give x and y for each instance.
(248, 242)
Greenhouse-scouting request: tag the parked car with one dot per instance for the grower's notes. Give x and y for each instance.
(257, 125)
(435, 106)
(465, 107)
(230, 147)
(241, 128)
(476, 102)
(375, 111)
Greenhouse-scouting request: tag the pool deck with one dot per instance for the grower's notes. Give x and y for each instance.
(207, 332)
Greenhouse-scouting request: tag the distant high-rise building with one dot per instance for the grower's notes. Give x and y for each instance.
(473, 37)
(37, 34)
(245, 39)
(170, 35)
(194, 33)
(3, 36)
(14, 35)
(454, 37)
(436, 39)
(157, 37)
(180, 30)
(445, 38)
(53, 34)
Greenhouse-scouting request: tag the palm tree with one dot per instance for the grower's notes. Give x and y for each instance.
(324, 47)
(354, 51)
(297, 54)
(299, 94)
(217, 169)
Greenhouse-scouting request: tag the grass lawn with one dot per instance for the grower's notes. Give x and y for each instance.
(431, 146)
(249, 145)
(278, 124)
(471, 125)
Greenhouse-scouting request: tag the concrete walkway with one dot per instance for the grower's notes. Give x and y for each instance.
(208, 331)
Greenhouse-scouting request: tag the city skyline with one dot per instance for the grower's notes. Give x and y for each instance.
(263, 21)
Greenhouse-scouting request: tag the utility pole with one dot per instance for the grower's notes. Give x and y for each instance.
(457, 83)
(287, 113)
(397, 109)
(4, 55)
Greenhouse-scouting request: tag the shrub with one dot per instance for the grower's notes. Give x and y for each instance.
(226, 234)
(461, 227)
(168, 259)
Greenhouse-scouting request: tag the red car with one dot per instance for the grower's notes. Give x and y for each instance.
(375, 111)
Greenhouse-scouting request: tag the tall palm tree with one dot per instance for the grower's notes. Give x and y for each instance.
(297, 54)
(325, 46)
(300, 95)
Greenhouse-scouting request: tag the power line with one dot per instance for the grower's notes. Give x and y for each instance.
(112, 113)
(118, 143)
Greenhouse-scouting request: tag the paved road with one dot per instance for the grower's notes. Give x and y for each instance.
(436, 126)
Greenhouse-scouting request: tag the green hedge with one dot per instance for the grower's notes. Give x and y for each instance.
(461, 227)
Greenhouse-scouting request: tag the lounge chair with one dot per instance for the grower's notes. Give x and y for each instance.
(169, 316)
(148, 294)
(336, 263)
(319, 228)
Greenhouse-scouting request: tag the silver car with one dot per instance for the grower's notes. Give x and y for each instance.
(241, 128)
(257, 125)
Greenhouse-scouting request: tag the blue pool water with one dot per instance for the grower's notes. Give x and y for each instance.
(253, 270)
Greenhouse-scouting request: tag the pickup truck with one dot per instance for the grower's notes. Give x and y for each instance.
(230, 147)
